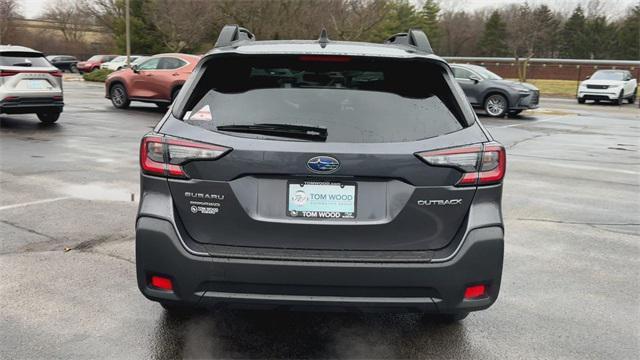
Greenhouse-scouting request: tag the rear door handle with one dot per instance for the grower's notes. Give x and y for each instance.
(175, 74)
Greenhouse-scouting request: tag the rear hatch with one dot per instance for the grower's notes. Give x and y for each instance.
(28, 74)
(322, 153)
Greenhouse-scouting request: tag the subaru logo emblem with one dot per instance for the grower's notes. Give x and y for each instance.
(323, 164)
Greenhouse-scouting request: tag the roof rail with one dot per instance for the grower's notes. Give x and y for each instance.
(414, 37)
(232, 33)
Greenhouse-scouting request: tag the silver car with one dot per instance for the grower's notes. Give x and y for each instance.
(29, 84)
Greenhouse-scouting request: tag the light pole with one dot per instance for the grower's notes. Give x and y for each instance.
(127, 33)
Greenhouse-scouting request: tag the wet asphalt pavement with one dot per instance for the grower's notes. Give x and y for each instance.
(68, 196)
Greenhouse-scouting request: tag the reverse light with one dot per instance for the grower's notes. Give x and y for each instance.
(161, 283)
(165, 156)
(480, 164)
(475, 292)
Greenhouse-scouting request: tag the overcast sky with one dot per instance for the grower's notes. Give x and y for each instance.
(614, 8)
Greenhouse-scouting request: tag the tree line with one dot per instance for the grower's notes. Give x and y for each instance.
(518, 30)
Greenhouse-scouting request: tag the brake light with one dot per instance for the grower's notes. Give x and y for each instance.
(325, 58)
(480, 164)
(165, 156)
(4, 73)
(56, 73)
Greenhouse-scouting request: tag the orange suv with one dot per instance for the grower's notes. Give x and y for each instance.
(158, 80)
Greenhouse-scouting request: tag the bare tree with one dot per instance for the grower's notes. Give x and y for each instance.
(9, 10)
(183, 26)
(68, 18)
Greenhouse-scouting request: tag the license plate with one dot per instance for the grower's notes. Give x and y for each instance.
(321, 200)
(37, 84)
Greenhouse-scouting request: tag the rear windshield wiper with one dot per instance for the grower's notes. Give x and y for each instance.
(26, 64)
(284, 130)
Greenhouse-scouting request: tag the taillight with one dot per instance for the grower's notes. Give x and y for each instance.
(480, 164)
(4, 73)
(164, 156)
(56, 73)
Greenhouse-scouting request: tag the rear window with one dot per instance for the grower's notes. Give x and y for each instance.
(27, 59)
(355, 99)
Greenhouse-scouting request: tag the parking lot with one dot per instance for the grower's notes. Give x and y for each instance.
(67, 212)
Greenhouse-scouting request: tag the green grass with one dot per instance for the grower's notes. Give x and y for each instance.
(99, 75)
(555, 88)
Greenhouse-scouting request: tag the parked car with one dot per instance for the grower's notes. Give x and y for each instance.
(609, 85)
(29, 84)
(118, 63)
(94, 63)
(321, 174)
(64, 62)
(158, 80)
(496, 96)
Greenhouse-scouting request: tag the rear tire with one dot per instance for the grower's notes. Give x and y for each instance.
(445, 318)
(620, 100)
(49, 117)
(119, 96)
(514, 113)
(632, 99)
(73, 69)
(496, 105)
(178, 309)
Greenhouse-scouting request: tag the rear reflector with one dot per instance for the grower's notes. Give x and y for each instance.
(480, 164)
(164, 156)
(56, 73)
(162, 283)
(475, 292)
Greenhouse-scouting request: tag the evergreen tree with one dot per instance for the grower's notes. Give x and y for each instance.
(628, 36)
(546, 29)
(575, 43)
(602, 36)
(145, 39)
(401, 17)
(494, 38)
(430, 22)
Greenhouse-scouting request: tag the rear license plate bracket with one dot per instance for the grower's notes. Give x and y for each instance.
(321, 199)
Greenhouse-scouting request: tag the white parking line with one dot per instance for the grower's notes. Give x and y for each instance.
(14, 206)
(532, 122)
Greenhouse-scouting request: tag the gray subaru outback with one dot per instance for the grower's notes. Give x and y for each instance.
(321, 175)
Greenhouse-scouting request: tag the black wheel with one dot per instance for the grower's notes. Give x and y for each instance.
(49, 117)
(620, 98)
(174, 94)
(514, 113)
(445, 318)
(178, 309)
(73, 69)
(119, 96)
(632, 99)
(581, 101)
(495, 105)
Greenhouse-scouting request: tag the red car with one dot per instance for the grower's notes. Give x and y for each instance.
(158, 80)
(94, 62)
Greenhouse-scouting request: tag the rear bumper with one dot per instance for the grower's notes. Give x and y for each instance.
(260, 283)
(31, 106)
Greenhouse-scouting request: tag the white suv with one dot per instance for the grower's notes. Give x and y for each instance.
(609, 85)
(29, 84)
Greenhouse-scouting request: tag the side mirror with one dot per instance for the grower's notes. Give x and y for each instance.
(475, 78)
(135, 68)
